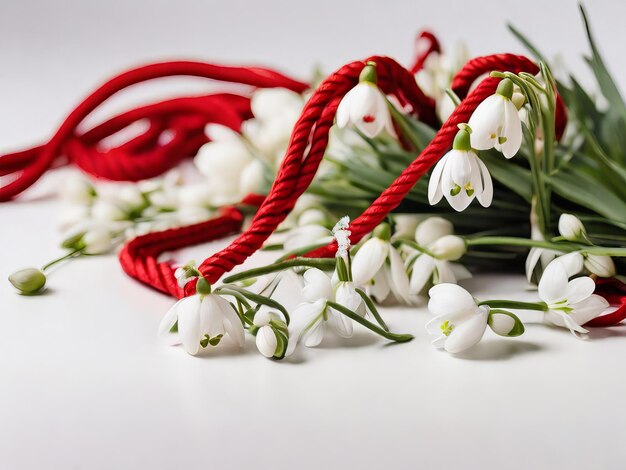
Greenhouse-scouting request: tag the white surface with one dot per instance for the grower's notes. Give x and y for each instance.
(86, 385)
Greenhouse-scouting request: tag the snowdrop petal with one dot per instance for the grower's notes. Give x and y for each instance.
(440, 341)
(485, 197)
(340, 323)
(189, 324)
(485, 121)
(588, 309)
(314, 335)
(380, 288)
(531, 262)
(433, 327)
(450, 299)
(579, 289)
(553, 283)
(467, 333)
(232, 323)
(422, 271)
(266, 341)
(347, 296)
(211, 311)
(435, 192)
(368, 260)
(399, 278)
(512, 130)
(169, 320)
(444, 273)
(432, 229)
(317, 285)
(460, 167)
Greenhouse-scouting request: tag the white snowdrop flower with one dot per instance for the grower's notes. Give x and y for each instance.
(435, 234)
(195, 195)
(404, 225)
(571, 228)
(98, 240)
(459, 323)
(129, 197)
(222, 162)
(107, 211)
(203, 319)
(272, 335)
(313, 216)
(496, 122)
(77, 189)
(378, 263)
(365, 107)
(313, 316)
(460, 176)
(570, 303)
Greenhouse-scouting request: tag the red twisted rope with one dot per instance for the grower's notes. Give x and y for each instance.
(614, 291)
(28, 166)
(425, 44)
(304, 154)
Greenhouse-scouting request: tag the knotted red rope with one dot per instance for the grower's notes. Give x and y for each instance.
(145, 156)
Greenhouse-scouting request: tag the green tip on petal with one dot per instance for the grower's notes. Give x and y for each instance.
(383, 231)
(28, 281)
(202, 286)
(462, 140)
(368, 74)
(505, 88)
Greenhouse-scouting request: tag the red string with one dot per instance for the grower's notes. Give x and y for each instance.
(148, 158)
(614, 291)
(426, 43)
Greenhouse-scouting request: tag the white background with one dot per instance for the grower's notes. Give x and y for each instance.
(84, 383)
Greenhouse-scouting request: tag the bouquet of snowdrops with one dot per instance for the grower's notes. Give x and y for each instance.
(510, 195)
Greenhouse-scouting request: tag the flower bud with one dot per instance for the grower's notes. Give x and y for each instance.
(449, 247)
(600, 265)
(313, 217)
(405, 225)
(77, 189)
(432, 229)
(571, 228)
(272, 334)
(28, 281)
(505, 324)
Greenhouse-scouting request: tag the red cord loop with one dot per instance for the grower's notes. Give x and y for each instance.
(146, 156)
(614, 291)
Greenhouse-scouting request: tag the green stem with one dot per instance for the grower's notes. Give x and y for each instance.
(324, 264)
(560, 246)
(372, 308)
(525, 242)
(541, 306)
(71, 254)
(400, 338)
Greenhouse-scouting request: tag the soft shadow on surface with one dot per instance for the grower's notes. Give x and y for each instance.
(358, 340)
(608, 332)
(499, 349)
